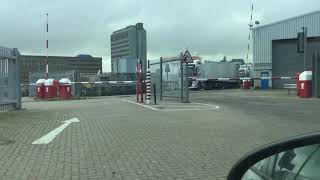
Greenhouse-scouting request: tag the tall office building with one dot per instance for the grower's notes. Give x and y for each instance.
(127, 46)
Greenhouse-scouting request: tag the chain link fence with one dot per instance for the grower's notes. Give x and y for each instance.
(10, 91)
(108, 85)
(170, 79)
(89, 84)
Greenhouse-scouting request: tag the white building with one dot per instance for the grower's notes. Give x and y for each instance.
(275, 46)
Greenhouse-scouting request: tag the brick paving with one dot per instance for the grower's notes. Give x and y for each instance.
(119, 140)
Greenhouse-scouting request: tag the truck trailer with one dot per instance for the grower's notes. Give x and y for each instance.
(213, 75)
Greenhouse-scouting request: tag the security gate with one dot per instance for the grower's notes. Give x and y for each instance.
(169, 76)
(10, 90)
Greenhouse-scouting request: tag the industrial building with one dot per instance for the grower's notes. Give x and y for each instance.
(127, 46)
(275, 47)
(80, 63)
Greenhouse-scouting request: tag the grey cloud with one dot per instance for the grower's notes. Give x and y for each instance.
(209, 27)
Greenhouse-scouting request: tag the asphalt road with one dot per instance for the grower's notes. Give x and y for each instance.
(117, 139)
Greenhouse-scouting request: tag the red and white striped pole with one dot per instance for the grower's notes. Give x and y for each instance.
(148, 82)
(137, 83)
(141, 82)
(47, 46)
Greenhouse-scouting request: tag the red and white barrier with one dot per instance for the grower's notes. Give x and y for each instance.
(95, 82)
(122, 82)
(243, 78)
(191, 78)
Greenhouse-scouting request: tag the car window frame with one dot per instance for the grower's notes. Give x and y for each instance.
(268, 169)
(261, 174)
(271, 170)
(306, 161)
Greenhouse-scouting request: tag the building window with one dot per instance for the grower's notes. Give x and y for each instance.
(120, 55)
(120, 51)
(119, 42)
(113, 47)
(119, 36)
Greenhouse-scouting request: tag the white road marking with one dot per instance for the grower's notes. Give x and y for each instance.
(46, 139)
(209, 106)
(184, 106)
(141, 105)
(190, 108)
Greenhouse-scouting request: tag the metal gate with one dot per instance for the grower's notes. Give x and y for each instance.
(10, 90)
(170, 79)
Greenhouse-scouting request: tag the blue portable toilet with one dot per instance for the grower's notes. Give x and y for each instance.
(264, 82)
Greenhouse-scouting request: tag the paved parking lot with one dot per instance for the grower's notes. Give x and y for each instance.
(117, 139)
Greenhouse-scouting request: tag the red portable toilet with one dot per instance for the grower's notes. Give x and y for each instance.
(65, 88)
(40, 89)
(305, 81)
(246, 84)
(298, 83)
(50, 88)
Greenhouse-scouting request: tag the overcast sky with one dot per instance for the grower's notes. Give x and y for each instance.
(210, 28)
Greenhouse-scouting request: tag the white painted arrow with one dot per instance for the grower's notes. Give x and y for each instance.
(46, 139)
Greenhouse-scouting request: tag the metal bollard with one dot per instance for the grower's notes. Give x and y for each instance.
(154, 94)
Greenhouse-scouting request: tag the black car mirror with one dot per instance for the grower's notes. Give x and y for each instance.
(285, 162)
(293, 158)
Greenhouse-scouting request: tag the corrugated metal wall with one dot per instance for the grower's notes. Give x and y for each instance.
(285, 56)
(287, 29)
(287, 62)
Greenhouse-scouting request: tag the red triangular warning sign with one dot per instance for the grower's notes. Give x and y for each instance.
(186, 58)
